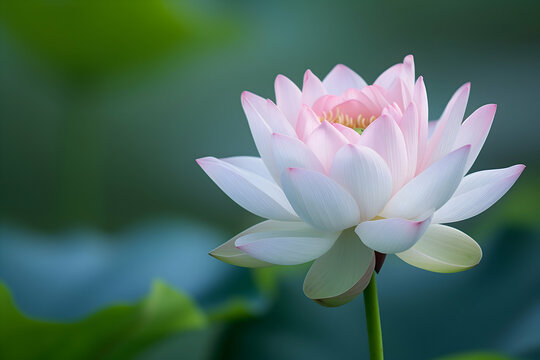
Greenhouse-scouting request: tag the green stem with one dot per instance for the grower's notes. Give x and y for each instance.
(373, 320)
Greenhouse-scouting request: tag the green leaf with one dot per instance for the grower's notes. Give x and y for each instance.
(118, 332)
(92, 37)
(477, 355)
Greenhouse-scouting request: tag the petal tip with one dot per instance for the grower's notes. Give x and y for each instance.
(204, 160)
(340, 67)
(244, 97)
(280, 78)
(519, 169)
(307, 75)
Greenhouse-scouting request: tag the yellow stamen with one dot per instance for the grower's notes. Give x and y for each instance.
(360, 122)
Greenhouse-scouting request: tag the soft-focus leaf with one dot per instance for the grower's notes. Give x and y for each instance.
(424, 315)
(89, 37)
(109, 268)
(117, 332)
(477, 355)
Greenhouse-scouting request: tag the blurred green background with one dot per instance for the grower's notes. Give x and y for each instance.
(106, 220)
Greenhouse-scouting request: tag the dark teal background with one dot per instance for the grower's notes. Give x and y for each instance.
(105, 105)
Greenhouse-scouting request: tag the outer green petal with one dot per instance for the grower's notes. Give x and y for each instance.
(342, 273)
(228, 252)
(443, 249)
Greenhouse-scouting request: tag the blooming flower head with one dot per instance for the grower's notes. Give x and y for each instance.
(348, 171)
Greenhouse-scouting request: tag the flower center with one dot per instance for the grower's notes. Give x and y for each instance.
(358, 122)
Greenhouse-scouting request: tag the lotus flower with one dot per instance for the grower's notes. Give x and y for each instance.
(349, 172)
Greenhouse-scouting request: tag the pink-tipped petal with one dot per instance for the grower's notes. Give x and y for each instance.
(421, 101)
(288, 98)
(312, 89)
(326, 103)
(442, 140)
(361, 96)
(374, 98)
(291, 152)
(400, 94)
(389, 76)
(353, 108)
(325, 141)
(475, 130)
(249, 190)
(307, 122)
(394, 112)
(342, 78)
(385, 137)
(352, 135)
(390, 236)
(286, 243)
(319, 200)
(365, 175)
(409, 126)
(407, 73)
(477, 192)
(431, 189)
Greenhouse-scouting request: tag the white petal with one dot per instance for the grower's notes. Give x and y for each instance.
(389, 76)
(249, 190)
(351, 135)
(250, 163)
(474, 131)
(389, 236)
(291, 152)
(319, 200)
(287, 243)
(229, 253)
(443, 249)
(444, 136)
(342, 273)
(288, 98)
(404, 72)
(431, 189)
(365, 175)
(400, 94)
(477, 192)
(307, 122)
(342, 78)
(385, 137)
